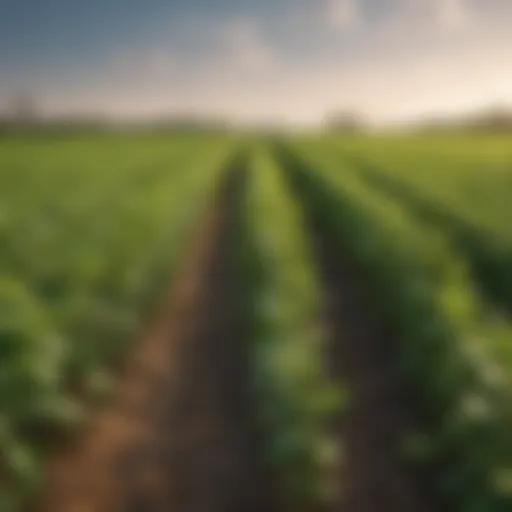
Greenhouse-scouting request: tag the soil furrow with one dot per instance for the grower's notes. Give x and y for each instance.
(374, 476)
(180, 436)
(362, 354)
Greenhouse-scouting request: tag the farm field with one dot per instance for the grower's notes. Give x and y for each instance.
(227, 323)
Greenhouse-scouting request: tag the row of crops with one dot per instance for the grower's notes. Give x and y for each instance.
(294, 398)
(455, 348)
(465, 194)
(91, 229)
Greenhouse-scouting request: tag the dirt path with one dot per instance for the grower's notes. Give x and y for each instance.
(362, 356)
(375, 477)
(180, 436)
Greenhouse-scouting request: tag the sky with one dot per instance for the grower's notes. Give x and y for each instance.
(257, 61)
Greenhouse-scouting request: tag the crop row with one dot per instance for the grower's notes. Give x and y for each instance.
(90, 236)
(467, 200)
(294, 398)
(456, 357)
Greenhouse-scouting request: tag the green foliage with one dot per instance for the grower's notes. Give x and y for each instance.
(90, 229)
(462, 186)
(457, 355)
(294, 398)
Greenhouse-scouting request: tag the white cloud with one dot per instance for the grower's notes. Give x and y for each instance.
(146, 64)
(342, 14)
(242, 48)
(230, 52)
(429, 15)
(453, 14)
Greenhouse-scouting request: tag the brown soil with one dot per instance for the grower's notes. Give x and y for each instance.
(180, 436)
(362, 355)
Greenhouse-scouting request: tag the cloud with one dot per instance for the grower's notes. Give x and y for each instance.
(342, 14)
(152, 64)
(242, 48)
(452, 14)
(431, 15)
(226, 53)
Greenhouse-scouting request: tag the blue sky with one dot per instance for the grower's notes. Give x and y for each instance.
(254, 60)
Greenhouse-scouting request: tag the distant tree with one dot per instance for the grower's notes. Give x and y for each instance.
(496, 118)
(345, 121)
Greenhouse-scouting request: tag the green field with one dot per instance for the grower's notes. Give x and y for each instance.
(95, 229)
